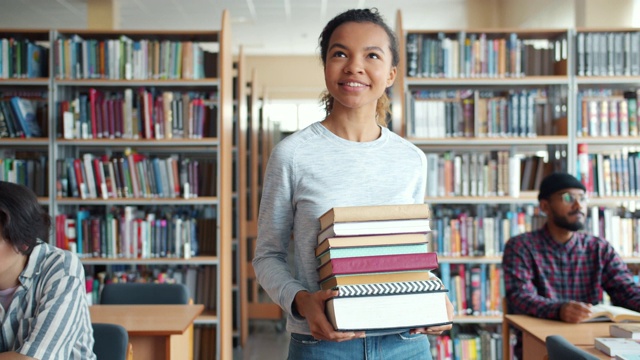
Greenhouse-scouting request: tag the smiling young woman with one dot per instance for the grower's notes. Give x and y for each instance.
(348, 159)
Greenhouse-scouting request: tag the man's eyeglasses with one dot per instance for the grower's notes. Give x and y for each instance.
(569, 198)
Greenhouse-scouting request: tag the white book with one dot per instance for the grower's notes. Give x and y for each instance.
(617, 346)
(375, 228)
(374, 312)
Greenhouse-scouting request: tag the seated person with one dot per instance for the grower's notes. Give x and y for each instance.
(556, 272)
(43, 303)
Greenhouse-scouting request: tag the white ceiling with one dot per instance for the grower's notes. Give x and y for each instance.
(263, 27)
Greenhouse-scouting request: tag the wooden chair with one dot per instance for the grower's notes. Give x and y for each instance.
(559, 348)
(111, 342)
(144, 293)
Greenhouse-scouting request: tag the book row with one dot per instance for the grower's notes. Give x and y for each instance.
(131, 233)
(473, 113)
(473, 174)
(607, 112)
(463, 55)
(474, 290)
(135, 176)
(144, 114)
(21, 117)
(608, 53)
(23, 58)
(468, 345)
(126, 59)
(612, 174)
(620, 226)
(462, 234)
(31, 172)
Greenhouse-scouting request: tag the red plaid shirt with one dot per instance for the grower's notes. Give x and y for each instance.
(541, 275)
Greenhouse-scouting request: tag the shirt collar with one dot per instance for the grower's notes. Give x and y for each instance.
(569, 245)
(34, 264)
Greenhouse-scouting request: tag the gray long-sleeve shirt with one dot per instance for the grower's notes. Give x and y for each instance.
(310, 172)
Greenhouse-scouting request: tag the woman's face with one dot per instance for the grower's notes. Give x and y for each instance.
(11, 264)
(358, 66)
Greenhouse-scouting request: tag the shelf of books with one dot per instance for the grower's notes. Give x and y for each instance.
(494, 112)
(24, 109)
(490, 109)
(141, 163)
(607, 82)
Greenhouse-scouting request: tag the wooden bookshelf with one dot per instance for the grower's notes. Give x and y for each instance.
(218, 149)
(568, 79)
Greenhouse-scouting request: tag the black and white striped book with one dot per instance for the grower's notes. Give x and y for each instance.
(389, 288)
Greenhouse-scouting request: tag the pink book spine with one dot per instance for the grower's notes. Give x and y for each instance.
(385, 263)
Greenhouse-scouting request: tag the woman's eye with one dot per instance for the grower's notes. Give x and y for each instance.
(339, 54)
(374, 56)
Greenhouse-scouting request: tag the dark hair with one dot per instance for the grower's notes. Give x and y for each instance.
(23, 221)
(359, 16)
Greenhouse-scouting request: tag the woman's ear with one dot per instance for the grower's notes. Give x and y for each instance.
(392, 75)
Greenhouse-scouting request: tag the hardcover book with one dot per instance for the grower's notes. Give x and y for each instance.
(375, 227)
(360, 251)
(617, 346)
(373, 240)
(374, 278)
(372, 213)
(630, 331)
(374, 312)
(382, 263)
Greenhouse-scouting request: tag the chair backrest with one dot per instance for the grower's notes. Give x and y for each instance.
(144, 293)
(560, 348)
(111, 341)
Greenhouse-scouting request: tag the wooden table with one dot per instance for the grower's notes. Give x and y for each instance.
(535, 331)
(155, 331)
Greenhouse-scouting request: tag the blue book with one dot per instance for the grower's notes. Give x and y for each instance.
(82, 215)
(26, 115)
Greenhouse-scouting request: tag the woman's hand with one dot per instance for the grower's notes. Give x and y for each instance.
(311, 306)
(437, 330)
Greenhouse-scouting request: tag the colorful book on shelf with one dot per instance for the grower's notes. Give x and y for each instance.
(382, 263)
(630, 331)
(613, 313)
(617, 346)
(374, 227)
(361, 251)
(373, 213)
(374, 278)
(421, 308)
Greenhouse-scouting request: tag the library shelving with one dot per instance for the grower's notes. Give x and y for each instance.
(490, 109)
(256, 302)
(242, 190)
(142, 122)
(460, 94)
(25, 102)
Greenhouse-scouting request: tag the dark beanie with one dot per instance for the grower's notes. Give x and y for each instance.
(556, 182)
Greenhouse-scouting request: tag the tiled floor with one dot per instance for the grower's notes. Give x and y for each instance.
(267, 341)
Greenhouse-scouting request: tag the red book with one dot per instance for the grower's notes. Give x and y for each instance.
(82, 185)
(380, 263)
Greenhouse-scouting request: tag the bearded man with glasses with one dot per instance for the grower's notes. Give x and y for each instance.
(558, 272)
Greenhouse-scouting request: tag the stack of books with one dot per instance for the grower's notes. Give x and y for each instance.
(378, 259)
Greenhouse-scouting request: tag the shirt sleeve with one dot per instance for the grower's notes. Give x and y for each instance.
(275, 224)
(62, 316)
(618, 282)
(522, 295)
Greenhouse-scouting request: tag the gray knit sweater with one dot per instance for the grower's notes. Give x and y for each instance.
(310, 172)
